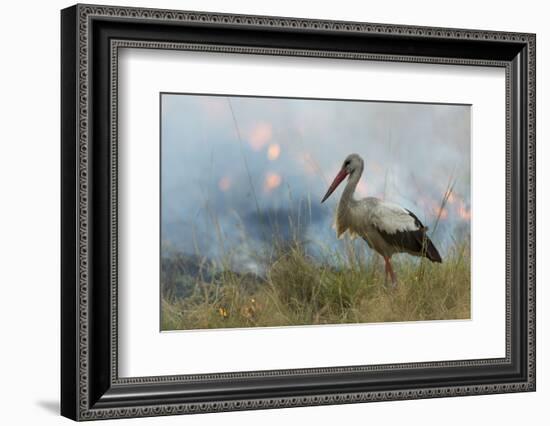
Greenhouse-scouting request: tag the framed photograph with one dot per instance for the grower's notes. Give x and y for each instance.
(263, 212)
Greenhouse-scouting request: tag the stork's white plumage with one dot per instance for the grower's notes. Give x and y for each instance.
(386, 227)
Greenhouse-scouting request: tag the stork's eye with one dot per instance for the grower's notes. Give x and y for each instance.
(346, 163)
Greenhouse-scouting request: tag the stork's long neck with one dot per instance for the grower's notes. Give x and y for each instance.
(347, 195)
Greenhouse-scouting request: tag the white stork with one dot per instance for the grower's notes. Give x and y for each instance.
(386, 227)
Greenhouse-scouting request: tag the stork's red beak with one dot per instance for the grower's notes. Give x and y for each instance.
(337, 181)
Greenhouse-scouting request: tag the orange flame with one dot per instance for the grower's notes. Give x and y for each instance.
(273, 151)
(444, 214)
(272, 181)
(434, 208)
(260, 135)
(451, 198)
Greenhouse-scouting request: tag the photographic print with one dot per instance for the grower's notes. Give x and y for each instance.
(294, 211)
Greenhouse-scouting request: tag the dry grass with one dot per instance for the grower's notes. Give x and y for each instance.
(300, 290)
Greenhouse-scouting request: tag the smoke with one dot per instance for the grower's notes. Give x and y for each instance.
(241, 171)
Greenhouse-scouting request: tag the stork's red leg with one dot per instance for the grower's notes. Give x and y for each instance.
(389, 271)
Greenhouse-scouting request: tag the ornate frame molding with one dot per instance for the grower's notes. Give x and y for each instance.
(82, 16)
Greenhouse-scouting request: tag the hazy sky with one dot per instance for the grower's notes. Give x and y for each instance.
(224, 173)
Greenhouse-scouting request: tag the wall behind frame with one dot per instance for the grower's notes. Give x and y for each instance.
(30, 225)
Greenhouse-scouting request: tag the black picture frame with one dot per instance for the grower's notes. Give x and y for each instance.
(90, 386)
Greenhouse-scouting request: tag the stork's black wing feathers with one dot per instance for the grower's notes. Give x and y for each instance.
(413, 241)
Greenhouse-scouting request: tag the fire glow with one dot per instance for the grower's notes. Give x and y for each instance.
(464, 212)
(273, 151)
(260, 135)
(451, 198)
(308, 163)
(272, 181)
(443, 214)
(224, 183)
